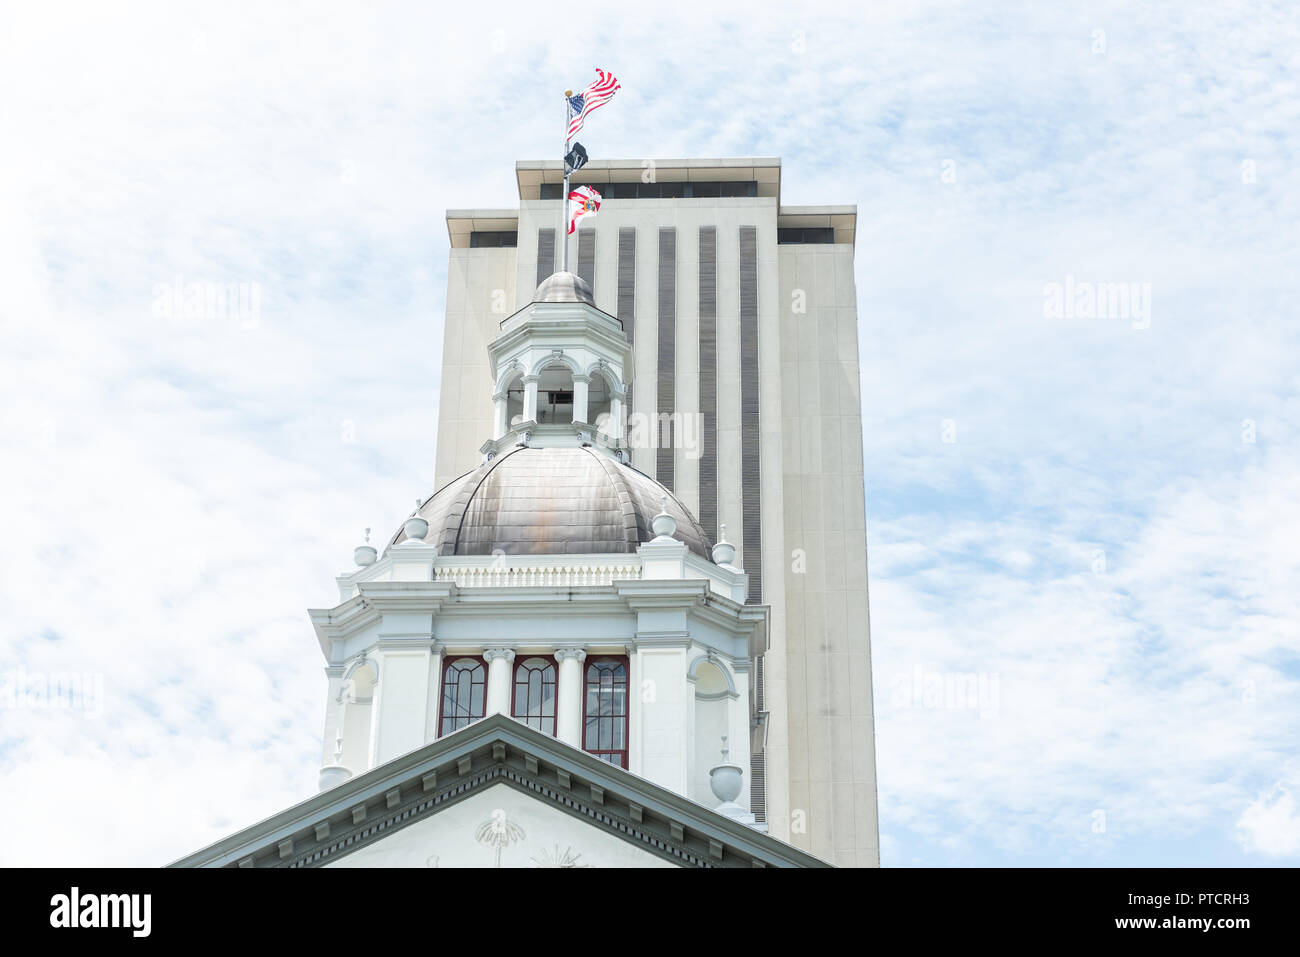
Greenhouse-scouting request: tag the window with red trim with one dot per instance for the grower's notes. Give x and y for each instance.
(464, 693)
(605, 709)
(533, 702)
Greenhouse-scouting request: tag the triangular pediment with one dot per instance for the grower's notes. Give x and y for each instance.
(498, 825)
(499, 784)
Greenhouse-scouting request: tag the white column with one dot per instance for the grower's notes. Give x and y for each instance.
(498, 685)
(580, 383)
(568, 716)
(615, 416)
(530, 398)
(333, 713)
(500, 426)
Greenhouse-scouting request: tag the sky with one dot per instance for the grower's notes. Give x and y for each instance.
(1091, 518)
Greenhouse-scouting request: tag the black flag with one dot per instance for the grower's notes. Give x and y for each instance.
(575, 160)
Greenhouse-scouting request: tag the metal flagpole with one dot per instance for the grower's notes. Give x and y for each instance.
(564, 191)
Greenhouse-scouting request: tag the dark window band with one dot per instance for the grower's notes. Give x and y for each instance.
(639, 190)
(709, 380)
(587, 256)
(545, 254)
(667, 372)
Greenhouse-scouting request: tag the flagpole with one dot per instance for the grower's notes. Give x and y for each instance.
(564, 192)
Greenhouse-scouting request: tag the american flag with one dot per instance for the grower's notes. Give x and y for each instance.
(583, 201)
(596, 95)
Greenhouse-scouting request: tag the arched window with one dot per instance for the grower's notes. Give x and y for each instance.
(534, 697)
(464, 693)
(604, 710)
(555, 395)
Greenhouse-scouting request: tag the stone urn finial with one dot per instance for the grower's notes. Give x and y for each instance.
(726, 781)
(365, 555)
(664, 525)
(724, 552)
(416, 527)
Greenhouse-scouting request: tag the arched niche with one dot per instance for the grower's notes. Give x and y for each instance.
(714, 692)
(356, 700)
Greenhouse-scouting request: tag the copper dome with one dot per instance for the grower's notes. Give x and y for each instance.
(552, 501)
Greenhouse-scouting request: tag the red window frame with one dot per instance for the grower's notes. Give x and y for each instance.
(542, 721)
(457, 719)
(592, 684)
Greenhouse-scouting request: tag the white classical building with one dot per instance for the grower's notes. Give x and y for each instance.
(549, 664)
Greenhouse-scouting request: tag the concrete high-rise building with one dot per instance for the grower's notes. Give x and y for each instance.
(742, 398)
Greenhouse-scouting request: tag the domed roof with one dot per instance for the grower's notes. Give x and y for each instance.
(552, 501)
(564, 287)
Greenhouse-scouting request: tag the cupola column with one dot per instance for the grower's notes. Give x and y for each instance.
(615, 415)
(568, 718)
(530, 398)
(580, 383)
(499, 424)
(498, 683)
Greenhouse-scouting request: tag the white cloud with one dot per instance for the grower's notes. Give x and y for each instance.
(1270, 826)
(176, 493)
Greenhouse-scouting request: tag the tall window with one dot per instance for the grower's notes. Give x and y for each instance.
(464, 693)
(534, 697)
(605, 710)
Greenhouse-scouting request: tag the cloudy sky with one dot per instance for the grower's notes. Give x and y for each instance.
(1095, 516)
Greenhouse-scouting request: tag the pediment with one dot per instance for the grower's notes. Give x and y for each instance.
(501, 826)
(452, 801)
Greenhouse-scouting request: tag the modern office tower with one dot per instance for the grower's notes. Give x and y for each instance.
(742, 397)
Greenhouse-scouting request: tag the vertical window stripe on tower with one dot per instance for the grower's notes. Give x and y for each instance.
(627, 294)
(545, 254)
(750, 430)
(750, 477)
(667, 373)
(709, 380)
(587, 256)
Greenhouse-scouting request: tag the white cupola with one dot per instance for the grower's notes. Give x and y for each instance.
(560, 368)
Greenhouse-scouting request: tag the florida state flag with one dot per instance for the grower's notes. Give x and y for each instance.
(583, 201)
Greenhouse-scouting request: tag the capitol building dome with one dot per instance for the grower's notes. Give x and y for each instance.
(552, 501)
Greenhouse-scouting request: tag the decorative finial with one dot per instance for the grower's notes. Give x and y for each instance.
(365, 555)
(664, 525)
(723, 552)
(725, 781)
(416, 527)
